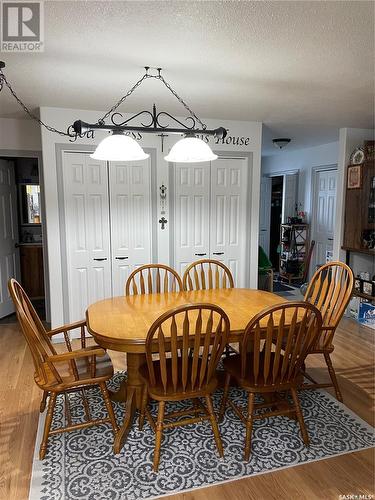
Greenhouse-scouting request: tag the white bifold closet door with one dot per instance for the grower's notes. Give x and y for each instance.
(192, 214)
(210, 214)
(129, 185)
(107, 227)
(86, 232)
(228, 215)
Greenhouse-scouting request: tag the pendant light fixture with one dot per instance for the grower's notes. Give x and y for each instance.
(281, 142)
(190, 149)
(120, 147)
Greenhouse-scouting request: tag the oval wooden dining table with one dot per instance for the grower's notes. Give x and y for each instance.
(122, 324)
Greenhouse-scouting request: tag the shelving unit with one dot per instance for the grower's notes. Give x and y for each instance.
(359, 228)
(294, 242)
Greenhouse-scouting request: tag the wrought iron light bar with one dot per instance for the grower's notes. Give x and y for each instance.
(80, 127)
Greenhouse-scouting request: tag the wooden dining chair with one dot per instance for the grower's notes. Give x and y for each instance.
(71, 371)
(153, 278)
(206, 274)
(329, 290)
(273, 348)
(182, 373)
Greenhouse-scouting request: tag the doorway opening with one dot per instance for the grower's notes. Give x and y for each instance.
(276, 219)
(21, 215)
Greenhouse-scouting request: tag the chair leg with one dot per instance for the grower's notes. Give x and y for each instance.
(43, 402)
(332, 374)
(109, 407)
(214, 425)
(225, 397)
(143, 407)
(249, 424)
(159, 435)
(47, 425)
(301, 421)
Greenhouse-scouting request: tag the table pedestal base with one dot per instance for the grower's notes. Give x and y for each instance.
(130, 393)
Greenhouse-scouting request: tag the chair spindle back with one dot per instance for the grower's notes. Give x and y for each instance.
(190, 339)
(34, 332)
(330, 290)
(206, 274)
(290, 332)
(153, 278)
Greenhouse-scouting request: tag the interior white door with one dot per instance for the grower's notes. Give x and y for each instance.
(265, 213)
(290, 186)
(9, 254)
(228, 215)
(87, 232)
(131, 230)
(192, 214)
(324, 215)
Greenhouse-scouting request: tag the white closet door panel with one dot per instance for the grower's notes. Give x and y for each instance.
(192, 198)
(131, 229)
(9, 256)
(228, 215)
(86, 207)
(324, 215)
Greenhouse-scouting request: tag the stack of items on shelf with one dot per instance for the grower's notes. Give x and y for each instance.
(362, 306)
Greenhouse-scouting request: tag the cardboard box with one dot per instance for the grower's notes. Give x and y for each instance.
(366, 314)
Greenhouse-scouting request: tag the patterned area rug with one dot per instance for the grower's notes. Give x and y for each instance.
(81, 464)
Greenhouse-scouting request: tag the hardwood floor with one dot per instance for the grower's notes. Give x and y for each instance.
(350, 474)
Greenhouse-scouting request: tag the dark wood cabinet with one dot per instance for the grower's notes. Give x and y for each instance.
(359, 229)
(32, 277)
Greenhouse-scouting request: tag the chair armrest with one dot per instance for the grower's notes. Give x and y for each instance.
(79, 353)
(66, 328)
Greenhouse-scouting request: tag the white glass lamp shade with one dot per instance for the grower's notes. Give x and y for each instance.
(190, 150)
(119, 147)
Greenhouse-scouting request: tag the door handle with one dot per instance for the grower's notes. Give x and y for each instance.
(263, 230)
(200, 254)
(218, 253)
(121, 258)
(104, 258)
(330, 239)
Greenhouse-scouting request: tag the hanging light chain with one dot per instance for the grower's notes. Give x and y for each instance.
(123, 98)
(191, 112)
(3, 80)
(139, 82)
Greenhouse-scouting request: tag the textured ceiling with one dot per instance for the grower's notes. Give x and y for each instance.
(303, 68)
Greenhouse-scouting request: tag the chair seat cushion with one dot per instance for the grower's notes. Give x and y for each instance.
(232, 365)
(157, 391)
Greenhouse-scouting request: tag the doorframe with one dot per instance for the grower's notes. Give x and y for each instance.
(62, 148)
(313, 205)
(38, 155)
(248, 157)
(283, 173)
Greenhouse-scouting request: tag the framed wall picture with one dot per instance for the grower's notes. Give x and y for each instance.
(354, 176)
(370, 150)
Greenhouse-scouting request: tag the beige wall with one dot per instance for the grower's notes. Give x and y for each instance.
(19, 135)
